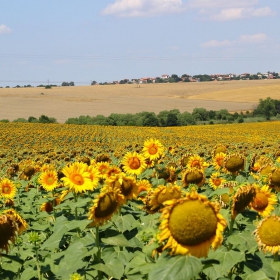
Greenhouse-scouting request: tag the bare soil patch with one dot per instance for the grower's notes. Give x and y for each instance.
(65, 102)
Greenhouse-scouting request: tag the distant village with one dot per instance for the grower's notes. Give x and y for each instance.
(166, 78)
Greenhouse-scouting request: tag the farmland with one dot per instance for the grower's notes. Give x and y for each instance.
(66, 102)
(100, 202)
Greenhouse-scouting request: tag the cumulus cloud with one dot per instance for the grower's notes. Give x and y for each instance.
(221, 10)
(143, 8)
(4, 29)
(239, 13)
(243, 39)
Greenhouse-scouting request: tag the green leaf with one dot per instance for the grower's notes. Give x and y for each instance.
(126, 222)
(220, 192)
(29, 273)
(176, 267)
(213, 271)
(228, 259)
(120, 240)
(275, 265)
(244, 239)
(258, 275)
(114, 268)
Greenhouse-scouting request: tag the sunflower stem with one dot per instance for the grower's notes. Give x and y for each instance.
(53, 205)
(231, 227)
(76, 209)
(97, 242)
(37, 262)
(276, 260)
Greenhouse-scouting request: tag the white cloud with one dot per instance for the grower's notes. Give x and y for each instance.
(142, 8)
(239, 13)
(243, 39)
(4, 29)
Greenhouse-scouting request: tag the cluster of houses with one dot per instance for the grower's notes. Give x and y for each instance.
(189, 78)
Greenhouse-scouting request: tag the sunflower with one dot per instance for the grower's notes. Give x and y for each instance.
(263, 201)
(103, 168)
(219, 148)
(218, 161)
(21, 223)
(48, 206)
(105, 206)
(133, 163)
(126, 184)
(268, 239)
(152, 149)
(77, 178)
(234, 162)
(8, 231)
(216, 180)
(195, 161)
(48, 179)
(225, 198)
(191, 225)
(274, 177)
(113, 170)
(156, 197)
(7, 189)
(184, 160)
(193, 176)
(94, 175)
(242, 198)
(143, 186)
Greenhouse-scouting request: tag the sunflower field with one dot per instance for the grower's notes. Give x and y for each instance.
(100, 202)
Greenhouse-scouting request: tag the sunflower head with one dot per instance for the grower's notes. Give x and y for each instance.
(193, 176)
(21, 223)
(48, 206)
(268, 239)
(219, 148)
(218, 160)
(184, 159)
(103, 158)
(266, 169)
(274, 177)
(242, 198)
(7, 189)
(156, 197)
(152, 149)
(8, 231)
(195, 161)
(234, 162)
(191, 225)
(134, 163)
(49, 180)
(216, 180)
(143, 186)
(105, 206)
(263, 201)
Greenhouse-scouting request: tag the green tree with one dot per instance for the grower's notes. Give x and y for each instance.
(200, 114)
(172, 119)
(266, 107)
(150, 119)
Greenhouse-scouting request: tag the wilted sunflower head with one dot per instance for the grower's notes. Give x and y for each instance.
(105, 206)
(191, 225)
(274, 177)
(267, 235)
(103, 158)
(21, 223)
(126, 184)
(225, 198)
(234, 162)
(219, 148)
(156, 197)
(193, 176)
(8, 231)
(184, 159)
(266, 169)
(242, 198)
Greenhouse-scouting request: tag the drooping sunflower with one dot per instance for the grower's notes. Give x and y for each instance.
(184, 159)
(216, 180)
(156, 197)
(152, 149)
(263, 201)
(126, 184)
(21, 223)
(193, 176)
(76, 177)
(267, 235)
(226, 197)
(191, 225)
(218, 161)
(7, 189)
(219, 148)
(8, 231)
(48, 206)
(113, 170)
(105, 206)
(48, 179)
(274, 177)
(242, 198)
(133, 163)
(234, 162)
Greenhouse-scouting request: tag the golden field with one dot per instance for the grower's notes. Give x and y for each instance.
(65, 102)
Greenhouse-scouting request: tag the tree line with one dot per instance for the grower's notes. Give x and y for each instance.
(267, 108)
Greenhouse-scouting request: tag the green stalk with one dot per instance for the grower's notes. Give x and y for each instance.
(37, 262)
(231, 226)
(76, 209)
(276, 260)
(97, 242)
(53, 204)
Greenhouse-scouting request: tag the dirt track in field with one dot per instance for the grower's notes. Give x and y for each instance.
(65, 102)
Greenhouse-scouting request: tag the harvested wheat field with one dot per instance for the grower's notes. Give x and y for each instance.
(65, 102)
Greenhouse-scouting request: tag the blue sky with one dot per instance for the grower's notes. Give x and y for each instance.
(110, 40)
